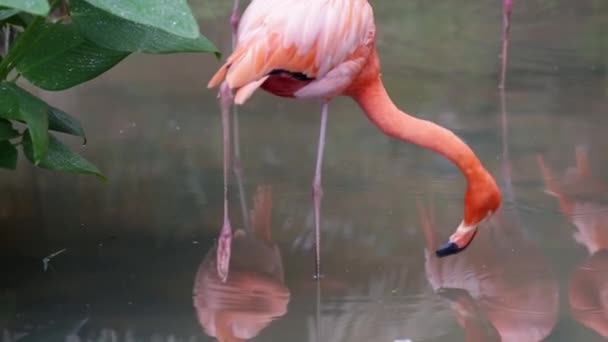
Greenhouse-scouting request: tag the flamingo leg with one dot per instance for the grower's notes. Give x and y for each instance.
(225, 238)
(317, 189)
(507, 6)
(226, 98)
(237, 165)
(238, 169)
(234, 21)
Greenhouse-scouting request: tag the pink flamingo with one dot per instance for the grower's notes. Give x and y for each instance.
(323, 49)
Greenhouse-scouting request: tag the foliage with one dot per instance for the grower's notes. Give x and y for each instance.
(55, 46)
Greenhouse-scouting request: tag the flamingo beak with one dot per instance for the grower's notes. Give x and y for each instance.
(459, 241)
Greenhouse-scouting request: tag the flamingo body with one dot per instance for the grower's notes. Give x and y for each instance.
(284, 84)
(326, 48)
(317, 52)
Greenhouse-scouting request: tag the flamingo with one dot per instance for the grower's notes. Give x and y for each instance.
(327, 48)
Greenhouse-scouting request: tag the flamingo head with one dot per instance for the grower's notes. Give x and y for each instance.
(481, 200)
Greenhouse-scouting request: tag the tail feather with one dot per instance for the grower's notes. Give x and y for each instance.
(246, 91)
(219, 76)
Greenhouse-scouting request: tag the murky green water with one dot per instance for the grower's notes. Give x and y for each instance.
(139, 247)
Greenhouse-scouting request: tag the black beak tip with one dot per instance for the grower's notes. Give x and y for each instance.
(447, 248)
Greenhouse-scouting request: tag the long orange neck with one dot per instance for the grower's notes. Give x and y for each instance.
(379, 108)
(367, 90)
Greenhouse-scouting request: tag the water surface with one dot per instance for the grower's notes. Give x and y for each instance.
(139, 249)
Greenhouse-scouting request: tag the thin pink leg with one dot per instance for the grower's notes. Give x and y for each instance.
(237, 165)
(507, 6)
(238, 168)
(225, 95)
(225, 238)
(506, 165)
(234, 21)
(317, 190)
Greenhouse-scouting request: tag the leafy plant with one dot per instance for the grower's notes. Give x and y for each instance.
(60, 44)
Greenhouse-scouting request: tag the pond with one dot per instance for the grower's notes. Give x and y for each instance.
(132, 259)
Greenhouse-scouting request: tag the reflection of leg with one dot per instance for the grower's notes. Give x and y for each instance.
(238, 168)
(225, 238)
(582, 162)
(552, 188)
(261, 214)
(234, 21)
(506, 24)
(317, 190)
(318, 313)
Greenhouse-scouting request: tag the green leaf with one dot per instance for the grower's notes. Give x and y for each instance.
(39, 7)
(30, 110)
(7, 13)
(61, 158)
(102, 28)
(15, 17)
(174, 16)
(22, 19)
(7, 131)
(61, 121)
(8, 155)
(63, 58)
(8, 102)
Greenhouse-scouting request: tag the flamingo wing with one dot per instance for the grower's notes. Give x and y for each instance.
(311, 39)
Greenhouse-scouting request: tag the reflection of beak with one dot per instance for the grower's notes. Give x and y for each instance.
(459, 241)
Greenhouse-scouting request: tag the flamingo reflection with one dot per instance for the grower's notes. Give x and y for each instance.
(254, 294)
(500, 290)
(578, 194)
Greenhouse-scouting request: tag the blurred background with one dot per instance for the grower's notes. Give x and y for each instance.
(134, 245)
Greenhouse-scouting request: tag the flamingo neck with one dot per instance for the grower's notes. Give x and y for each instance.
(381, 110)
(482, 196)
